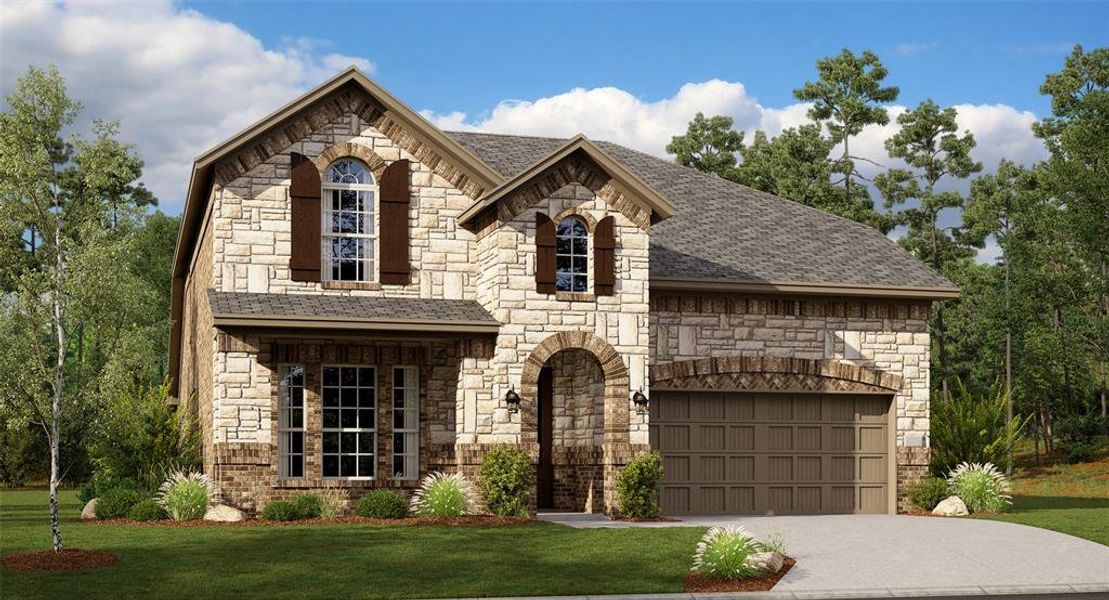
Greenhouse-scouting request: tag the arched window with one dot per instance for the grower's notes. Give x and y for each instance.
(572, 255)
(349, 226)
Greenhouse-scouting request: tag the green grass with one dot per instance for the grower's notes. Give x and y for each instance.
(1072, 499)
(341, 561)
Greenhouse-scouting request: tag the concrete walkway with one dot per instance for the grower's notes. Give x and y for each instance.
(900, 555)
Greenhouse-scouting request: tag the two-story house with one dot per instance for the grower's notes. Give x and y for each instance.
(361, 298)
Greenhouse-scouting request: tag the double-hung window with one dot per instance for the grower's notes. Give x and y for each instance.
(406, 423)
(349, 413)
(349, 226)
(572, 256)
(290, 421)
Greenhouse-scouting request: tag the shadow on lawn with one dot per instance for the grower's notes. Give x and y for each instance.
(1034, 503)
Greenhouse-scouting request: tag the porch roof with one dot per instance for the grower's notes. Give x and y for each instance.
(319, 311)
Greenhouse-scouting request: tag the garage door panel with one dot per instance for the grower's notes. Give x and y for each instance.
(743, 453)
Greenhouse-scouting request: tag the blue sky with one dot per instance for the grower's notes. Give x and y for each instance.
(183, 76)
(466, 57)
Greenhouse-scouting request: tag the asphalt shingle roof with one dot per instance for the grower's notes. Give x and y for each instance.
(357, 308)
(725, 231)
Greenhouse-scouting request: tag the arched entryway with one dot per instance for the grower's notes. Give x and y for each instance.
(578, 420)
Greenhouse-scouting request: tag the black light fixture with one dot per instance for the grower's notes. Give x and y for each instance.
(513, 400)
(640, 400)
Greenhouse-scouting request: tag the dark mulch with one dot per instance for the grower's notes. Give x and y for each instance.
(483, 521)
(646, 519)
(697, 583)
(68, 560)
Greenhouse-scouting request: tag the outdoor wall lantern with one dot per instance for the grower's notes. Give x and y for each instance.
(640, 401)
(513, 400)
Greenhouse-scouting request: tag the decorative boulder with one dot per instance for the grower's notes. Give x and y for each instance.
(952, 507)
(767, 562)
(89, 512)
(224, 514)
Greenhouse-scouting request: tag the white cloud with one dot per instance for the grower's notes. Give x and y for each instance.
(914, 48)
(178, 81)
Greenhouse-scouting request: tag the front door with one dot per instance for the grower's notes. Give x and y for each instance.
(544, 484)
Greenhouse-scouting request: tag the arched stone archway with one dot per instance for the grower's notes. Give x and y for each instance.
(615, 448)
(362, 152)
(771, 373)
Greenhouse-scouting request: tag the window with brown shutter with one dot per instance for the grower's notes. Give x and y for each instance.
(395, 201)
(544, 254)
(604, 257)
(304, 193)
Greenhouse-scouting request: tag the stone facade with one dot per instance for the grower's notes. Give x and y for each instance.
(600, 347)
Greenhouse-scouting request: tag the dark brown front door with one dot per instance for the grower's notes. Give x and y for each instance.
(544, 484)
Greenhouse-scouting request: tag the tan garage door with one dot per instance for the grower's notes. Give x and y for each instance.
(750, 453)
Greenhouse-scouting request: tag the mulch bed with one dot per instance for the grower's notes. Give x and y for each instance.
(68, 560)
(646, 519)
(483, 521)
(696, 583)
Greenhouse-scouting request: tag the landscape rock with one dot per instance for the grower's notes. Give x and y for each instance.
(768, 562)
(224, 514)
(953, 506)
(89, 512)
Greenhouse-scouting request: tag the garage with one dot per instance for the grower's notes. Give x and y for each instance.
(772, 453)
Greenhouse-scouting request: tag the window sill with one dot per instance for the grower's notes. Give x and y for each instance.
(350, 285)
(574, 296)
(330, 482)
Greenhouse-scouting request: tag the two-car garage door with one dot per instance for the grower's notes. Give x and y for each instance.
(763, 453)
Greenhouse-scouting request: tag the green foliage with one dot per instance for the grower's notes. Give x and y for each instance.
(187, 496)
(637, 486)
(282, 510)
(145, 438)
(723, 554)
(116, 502)
(709, 145)
(98, 486)
(507, 481)
(18, 456)
(146, 510)
(966, 428)
(310, 506)
(445, 496)
(928, 492)
(331, 504)
(382, 504)
(1079, 432)
(980, 486)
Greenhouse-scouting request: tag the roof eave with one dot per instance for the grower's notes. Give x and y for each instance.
(343, 323)
(803, 288)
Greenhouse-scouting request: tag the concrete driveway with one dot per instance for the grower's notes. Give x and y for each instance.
(888, 552)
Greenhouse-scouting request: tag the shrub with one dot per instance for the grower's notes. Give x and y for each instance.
(331, 504)
(928, 492)
(281, 510)
(981, 487)
(116, 503)
(506, 481)
(723, 553)
(1079, 433)
(382, 504)
(97, 487)
(446, 496)
(637, 486)
(146, 510)
(309, 506)
(187, 496)
(145, 438)
(969, 429)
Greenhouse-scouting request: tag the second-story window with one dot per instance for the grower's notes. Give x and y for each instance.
(572, 256)
(349, 226)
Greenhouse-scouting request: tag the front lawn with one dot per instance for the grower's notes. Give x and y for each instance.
(1072, 499)
(342, 561)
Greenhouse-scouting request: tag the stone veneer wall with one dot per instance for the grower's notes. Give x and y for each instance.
(886, 335)
(196, 385)
(578, 407)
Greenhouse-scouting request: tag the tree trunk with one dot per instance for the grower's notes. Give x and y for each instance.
(59, 383)
(1008, 363)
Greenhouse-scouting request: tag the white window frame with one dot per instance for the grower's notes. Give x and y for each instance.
(340, 430)
(370, 270)
(411, 420)
(572, 255)
(285, 406)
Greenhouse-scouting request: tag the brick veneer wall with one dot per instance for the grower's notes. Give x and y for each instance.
(887, 336)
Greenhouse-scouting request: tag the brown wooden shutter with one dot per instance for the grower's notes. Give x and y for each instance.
(395, 198)
(604, 257)
(544, 254)
(304, 192)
